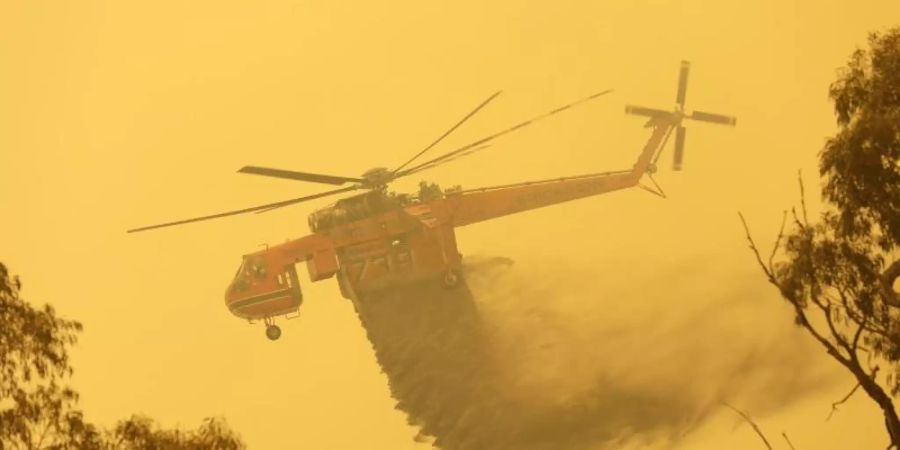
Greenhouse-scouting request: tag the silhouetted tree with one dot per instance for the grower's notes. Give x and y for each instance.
(141, 433)
(839, 273)
(36, 409)
(39, 411)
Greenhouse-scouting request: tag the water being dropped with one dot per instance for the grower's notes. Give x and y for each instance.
(528, 358)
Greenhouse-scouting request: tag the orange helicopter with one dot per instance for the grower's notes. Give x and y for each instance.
(379, 239)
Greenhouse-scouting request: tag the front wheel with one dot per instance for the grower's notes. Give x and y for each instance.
(451, 279)
(273, 332)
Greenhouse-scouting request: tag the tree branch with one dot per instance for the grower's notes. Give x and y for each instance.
(797, 220)
(802, 196)
(863, 321)
(766, 269)
(888, 277)
(862, 326)
(752, 423)
(829, 347)
(777, 239)
(829, 320)
(834, 406)
(43, 435)
(788, 440)
(798, 309)
(841, 340)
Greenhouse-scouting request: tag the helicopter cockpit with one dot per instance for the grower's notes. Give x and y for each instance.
(251, 272)
(263, 288)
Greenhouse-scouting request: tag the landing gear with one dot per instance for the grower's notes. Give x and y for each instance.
(273, 332)
(451, 279)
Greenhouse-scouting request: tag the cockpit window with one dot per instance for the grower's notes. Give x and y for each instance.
(284, 279)
(251, 268)
(239, 285)
(255, 267)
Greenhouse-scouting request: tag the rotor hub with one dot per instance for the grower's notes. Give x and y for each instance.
(378, 176)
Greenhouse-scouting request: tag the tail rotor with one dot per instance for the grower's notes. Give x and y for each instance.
(675, 117)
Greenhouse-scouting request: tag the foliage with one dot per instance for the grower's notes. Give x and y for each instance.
(37, 409)
(838, 273)
(859, 164)
(140, 433)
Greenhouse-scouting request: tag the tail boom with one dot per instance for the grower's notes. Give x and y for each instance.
(477, 205)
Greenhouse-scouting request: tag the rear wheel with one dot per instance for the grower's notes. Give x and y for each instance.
(273, 332)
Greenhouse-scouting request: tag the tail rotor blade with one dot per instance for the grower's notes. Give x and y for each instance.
(679, 148)
(649, 112)
(714, 118)
(682, 83)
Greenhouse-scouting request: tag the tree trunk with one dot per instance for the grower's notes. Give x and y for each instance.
(877, 393)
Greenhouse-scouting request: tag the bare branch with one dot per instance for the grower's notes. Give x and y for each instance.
(834, 406)
(802, 197)
(767, 270)
(797, 220)
(788, 440)
(752, 423)
(777, 239)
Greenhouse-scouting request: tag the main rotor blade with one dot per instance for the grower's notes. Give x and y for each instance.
(682, 83)
(247, 210)
(431, 163)
(714, 118)
(482, 105)
(301, 176)
(446, 160)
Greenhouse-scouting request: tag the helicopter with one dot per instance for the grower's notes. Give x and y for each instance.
(378, 239)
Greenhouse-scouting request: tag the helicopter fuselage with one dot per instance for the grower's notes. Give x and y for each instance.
(377, 240)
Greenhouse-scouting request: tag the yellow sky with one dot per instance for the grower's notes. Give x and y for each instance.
(120, 114)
